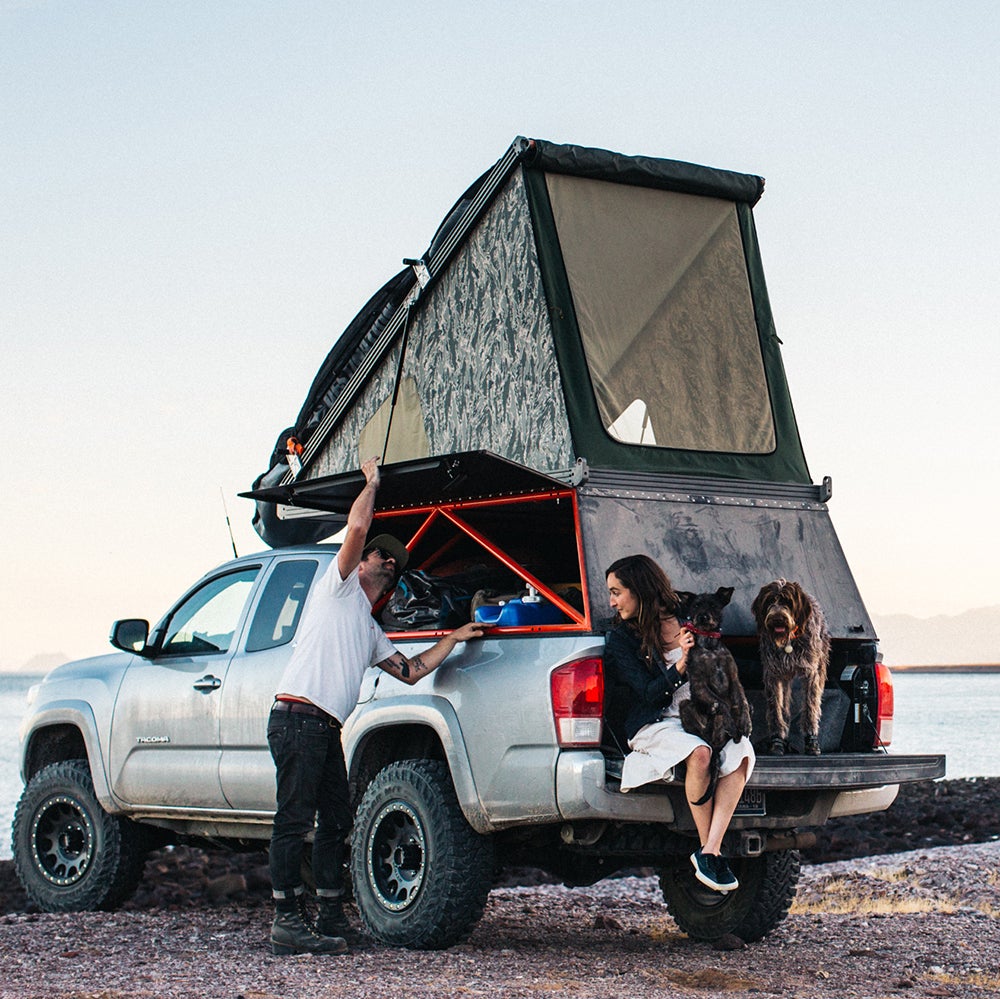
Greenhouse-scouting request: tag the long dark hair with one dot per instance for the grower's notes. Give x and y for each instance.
(655, 593)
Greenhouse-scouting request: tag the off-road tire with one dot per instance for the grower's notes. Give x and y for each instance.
(70, 855)
(767, 887)
(421, 874)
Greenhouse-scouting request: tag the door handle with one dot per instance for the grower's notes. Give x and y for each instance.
(207, 683)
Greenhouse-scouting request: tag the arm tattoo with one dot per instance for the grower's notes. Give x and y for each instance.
(395, 664)
(403, 666)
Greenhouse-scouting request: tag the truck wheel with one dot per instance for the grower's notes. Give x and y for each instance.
(421, 874)
(70, 855)
(767, 887)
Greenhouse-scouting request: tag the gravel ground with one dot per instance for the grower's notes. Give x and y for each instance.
(902, 903)
(922, 923)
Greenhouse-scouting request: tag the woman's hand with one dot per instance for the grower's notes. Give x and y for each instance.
(676, 637)
(685, 642)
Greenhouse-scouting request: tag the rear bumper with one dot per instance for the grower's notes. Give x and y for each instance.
(844, 771)
(800, 791)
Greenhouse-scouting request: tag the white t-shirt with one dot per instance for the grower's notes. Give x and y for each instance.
(337, 640)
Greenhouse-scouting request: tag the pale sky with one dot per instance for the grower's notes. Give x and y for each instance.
(197, 197)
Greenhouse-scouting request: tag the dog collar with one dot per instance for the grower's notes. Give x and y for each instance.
(792, 635)
(688, 626)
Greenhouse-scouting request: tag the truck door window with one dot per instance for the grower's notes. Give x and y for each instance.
(207, 620)
(280, 606)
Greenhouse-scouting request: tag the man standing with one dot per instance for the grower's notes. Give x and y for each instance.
(338, 639)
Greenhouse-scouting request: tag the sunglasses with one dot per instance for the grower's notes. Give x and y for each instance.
(382, 554)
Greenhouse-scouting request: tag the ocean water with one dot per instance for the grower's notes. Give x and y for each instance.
(946, 713)
(13, 703)
(951, 713)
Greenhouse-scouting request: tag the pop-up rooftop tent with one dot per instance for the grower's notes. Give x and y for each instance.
(586, 328)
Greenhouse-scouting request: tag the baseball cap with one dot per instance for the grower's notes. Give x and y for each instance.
(393, 546)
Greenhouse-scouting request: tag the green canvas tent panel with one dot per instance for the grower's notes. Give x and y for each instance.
(577, 306)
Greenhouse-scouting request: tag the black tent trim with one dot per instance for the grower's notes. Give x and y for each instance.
(451, 478)
(645, 171)
(590, 438)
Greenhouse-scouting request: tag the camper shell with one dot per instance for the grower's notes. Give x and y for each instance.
(582, 365)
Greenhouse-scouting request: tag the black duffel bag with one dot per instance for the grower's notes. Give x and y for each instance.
(422, 602)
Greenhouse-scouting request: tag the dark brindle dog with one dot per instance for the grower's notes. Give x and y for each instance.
(717, 710)
(793, 642)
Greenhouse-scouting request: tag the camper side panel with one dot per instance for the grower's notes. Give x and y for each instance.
(480, 371)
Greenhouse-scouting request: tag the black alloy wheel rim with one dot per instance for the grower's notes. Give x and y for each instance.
(395, 855)
(62, 840)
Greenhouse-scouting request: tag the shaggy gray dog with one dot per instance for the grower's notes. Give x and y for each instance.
(793, 642)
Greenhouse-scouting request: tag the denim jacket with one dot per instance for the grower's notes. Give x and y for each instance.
(636, 687)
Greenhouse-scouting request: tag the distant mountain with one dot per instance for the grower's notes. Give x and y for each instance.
(41, 663)
(967, 638)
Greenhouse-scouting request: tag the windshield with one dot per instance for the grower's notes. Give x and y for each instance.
(663, 305)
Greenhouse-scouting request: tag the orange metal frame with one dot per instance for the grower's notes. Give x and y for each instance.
(451, 512)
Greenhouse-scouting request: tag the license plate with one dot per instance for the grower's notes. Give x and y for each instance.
(751, 802)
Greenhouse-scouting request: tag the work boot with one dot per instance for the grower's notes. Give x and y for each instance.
(290, 935)
(331, 920)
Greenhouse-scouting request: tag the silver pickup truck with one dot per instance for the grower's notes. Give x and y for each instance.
(582, 365)
(496, 759)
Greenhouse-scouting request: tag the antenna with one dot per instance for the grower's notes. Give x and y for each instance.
(232, 540)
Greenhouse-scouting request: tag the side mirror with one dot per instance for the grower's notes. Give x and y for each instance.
(130, 635)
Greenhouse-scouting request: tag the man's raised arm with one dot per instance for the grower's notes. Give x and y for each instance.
(359, 520)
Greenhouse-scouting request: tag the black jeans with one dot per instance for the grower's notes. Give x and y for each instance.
(311, 790)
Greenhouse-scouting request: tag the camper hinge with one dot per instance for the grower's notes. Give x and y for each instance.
(423, 279)
(420, 269)
(580, 472)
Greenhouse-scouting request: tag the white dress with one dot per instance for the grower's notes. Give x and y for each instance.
(658, 747)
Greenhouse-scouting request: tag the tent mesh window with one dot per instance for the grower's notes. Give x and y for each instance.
(664, 309)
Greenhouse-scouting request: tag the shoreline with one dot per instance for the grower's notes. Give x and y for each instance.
(956, 668)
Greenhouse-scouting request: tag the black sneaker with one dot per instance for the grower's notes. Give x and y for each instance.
(713, 871)
(724, 874)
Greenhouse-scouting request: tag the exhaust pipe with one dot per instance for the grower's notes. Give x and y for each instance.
(789, 841)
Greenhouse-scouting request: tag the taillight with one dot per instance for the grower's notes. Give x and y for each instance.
(578, 702)
(883, 726)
